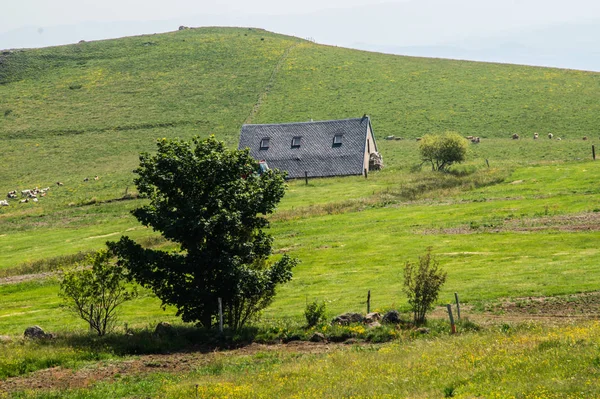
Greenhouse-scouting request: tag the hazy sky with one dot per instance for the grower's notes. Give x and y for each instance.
(21, 13)
(477, 13)
(537, 32)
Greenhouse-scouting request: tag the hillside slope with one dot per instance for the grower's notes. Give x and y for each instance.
(74, 112)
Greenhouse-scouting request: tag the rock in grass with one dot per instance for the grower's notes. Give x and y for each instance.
(5, 338)
(372, 317)
(374, 324)
(163, 329)
(347, 318)
(318, 337)
(391, 317)
(36, 332)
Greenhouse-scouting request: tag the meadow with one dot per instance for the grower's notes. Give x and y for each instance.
(519, 219)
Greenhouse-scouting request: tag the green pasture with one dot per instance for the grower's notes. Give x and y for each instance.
(346, 251)
(89, 109)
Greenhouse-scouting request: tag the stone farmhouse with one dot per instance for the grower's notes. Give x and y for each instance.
(314, 149)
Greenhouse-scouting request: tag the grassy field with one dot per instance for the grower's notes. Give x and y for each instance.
(524, 226)
(559, 362)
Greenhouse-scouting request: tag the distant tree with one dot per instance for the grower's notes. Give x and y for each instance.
(94, 289)
(422, 284)
(211, 201)
(442, 151)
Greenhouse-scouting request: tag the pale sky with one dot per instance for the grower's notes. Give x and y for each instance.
(536, 32)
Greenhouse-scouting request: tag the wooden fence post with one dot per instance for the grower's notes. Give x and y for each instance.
(452, 326)
(306, 177)
(369, 302)
(220, 315)
(366, 173)
(594, 153)
(457, 306)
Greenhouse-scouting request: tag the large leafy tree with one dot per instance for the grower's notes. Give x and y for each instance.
(212, 202)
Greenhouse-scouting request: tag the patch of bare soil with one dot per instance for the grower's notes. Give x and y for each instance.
(59, 378)
(25, 277)
(547, 310)
(589, 221)
(585, 305)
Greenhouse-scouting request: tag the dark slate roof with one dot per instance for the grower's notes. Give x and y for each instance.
(316, 155)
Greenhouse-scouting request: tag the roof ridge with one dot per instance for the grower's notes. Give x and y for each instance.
(305, 122)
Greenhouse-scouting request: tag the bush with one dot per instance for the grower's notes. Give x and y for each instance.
(315, 313)
(94, 293)
(422, 284)
(443, 151)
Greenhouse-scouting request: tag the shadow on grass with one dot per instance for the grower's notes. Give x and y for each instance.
(142, 342)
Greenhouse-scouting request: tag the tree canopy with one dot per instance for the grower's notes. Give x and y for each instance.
(212, 202)
(443, 150)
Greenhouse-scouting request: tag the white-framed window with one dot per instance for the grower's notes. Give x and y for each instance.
(264, 143)
(296, 141)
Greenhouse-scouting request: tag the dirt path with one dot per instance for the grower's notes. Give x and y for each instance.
(58, 378)
(25, 277)
(270, 83)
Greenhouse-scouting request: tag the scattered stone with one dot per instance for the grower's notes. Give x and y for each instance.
(182, 27)
(36, 332)
(374, 324)
(347, 318)
(163, 329)
(5, 338)
(422, 330)
(372, 317)
(391, 317)
(318, 337)
(375, 161)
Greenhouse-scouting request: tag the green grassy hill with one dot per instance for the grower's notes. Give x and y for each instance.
(91, 107)
(88, 109)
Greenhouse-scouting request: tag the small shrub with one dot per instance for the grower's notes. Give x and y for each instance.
(7, 112)
(443, 151)
(75, 86)
(449, 392)
(315, 313)
(94, 293)
(422, 284)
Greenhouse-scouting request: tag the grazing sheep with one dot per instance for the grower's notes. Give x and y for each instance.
(515, 136)
(536, 136)
(558, 138)
(59, 183)
(584, 138)
(469, 137)
(23, 201)
(96, 178)
(3, 203)
(35, 200)
(418, 138)
(475, 140)
(550, 135)
(25, 193)
(389, 137)
(86, 179)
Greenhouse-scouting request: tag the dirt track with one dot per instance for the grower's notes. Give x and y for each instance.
(58, 378)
